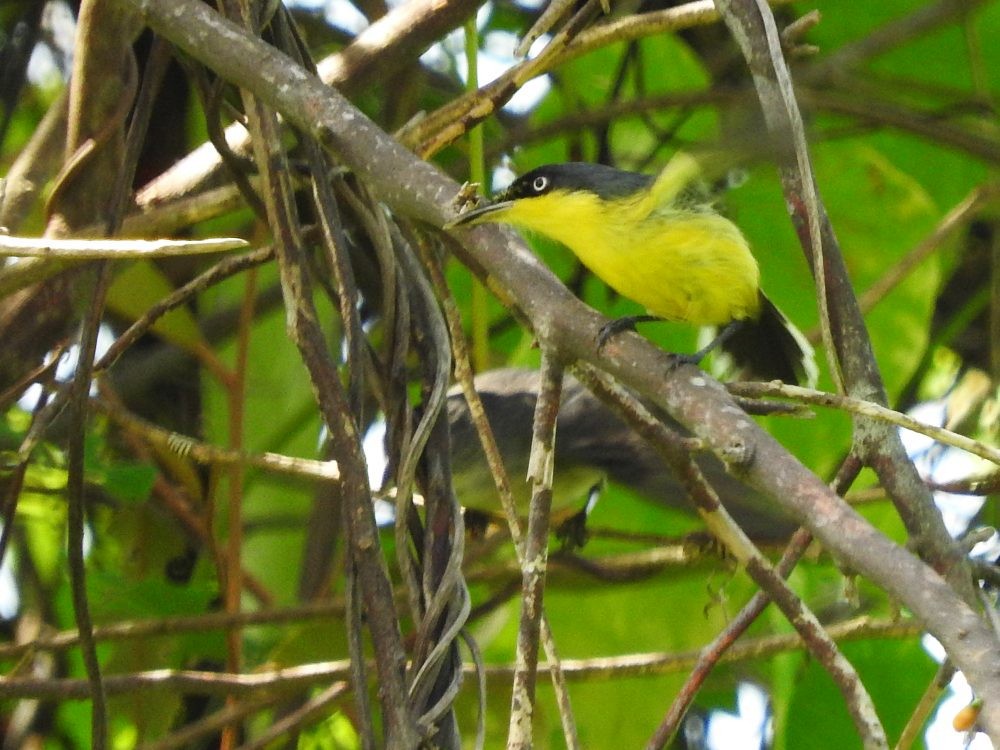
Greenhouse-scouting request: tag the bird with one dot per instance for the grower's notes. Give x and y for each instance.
(658, 242)
(594, 446)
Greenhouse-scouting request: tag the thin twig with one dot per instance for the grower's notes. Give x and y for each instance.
(541, 465)
(451, 121)
(867, 409)
(98, 109)
(928, 701)
(213, 455)
(987, 485)
(294, 679)
(313, 710)
(552, 14)
(288, 680)
(235, 387)
(73, 249)
(957, 217)
(897, 32)
(180, 296)
(164, 626)
(230, 714)
(713, 653)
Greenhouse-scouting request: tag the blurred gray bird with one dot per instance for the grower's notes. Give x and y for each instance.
(592, 445)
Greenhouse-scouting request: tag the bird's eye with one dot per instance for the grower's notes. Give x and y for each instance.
(539, 184)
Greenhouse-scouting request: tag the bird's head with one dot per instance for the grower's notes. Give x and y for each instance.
(555, 193)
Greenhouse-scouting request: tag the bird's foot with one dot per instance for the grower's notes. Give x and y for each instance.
(618, 325)
(695, 359)
(679, 360)
(572, 532)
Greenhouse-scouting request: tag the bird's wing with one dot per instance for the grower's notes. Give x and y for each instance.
(678, 174)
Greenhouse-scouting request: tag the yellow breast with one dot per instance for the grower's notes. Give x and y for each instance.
(691, 266)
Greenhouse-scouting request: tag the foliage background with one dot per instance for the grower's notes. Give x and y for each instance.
(889, 166)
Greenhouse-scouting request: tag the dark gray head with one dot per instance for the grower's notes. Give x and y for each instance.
(607, 182)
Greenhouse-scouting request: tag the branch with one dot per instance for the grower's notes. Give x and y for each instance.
(213, 455)
(958, 217)
(714, 652)
(295, 679)
(314, 710)
(533, 565)
(899, 31)
(867, 409)
(726, 530)
(81, 250)
(292, 679)
(129, 629)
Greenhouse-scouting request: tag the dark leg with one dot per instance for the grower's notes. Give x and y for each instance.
(698, 356)
(573, 531)
(718, 341)
(618, 325)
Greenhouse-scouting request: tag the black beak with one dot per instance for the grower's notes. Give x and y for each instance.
(478, 215)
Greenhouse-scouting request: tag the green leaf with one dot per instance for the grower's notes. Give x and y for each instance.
(817, 708)
(130, 482)
(336, 732)
(140, 285)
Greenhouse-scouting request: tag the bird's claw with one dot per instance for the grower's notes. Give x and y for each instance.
(612, 328)
(679, 360)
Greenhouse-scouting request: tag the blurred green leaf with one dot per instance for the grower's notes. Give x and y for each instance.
(817, 708)
(140, 285)
(889, 167)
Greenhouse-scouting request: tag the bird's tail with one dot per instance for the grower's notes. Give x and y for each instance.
(772, 348)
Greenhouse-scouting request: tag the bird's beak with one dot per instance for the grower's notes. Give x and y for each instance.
(479, 214)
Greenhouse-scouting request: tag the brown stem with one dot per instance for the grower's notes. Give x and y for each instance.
(540, 470)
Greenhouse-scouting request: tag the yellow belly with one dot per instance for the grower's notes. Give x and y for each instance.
(690, 266)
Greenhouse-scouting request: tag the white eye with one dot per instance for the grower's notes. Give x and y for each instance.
(539, 184)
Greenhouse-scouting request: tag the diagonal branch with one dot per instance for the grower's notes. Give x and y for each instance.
(771, 581)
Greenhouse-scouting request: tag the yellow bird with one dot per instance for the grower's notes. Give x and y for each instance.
(652, 242)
